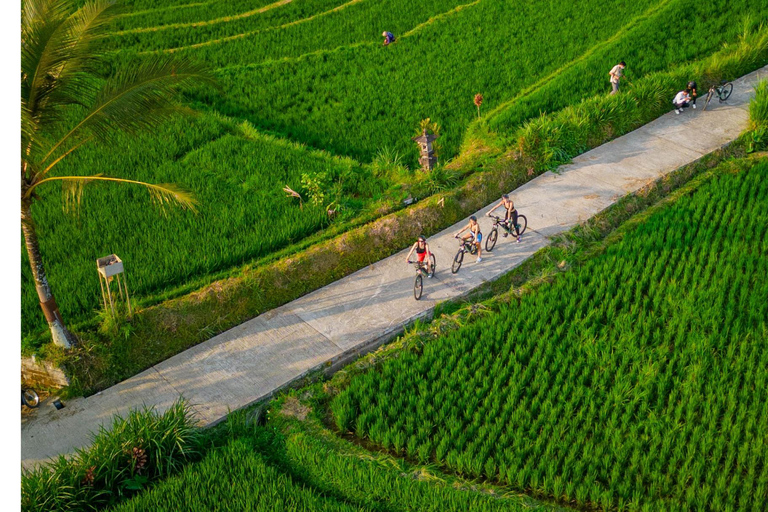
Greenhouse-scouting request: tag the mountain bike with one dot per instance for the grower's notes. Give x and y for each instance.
(490, 242)
(29, 397)
(466, 246)
(421, 271)
(722, 91)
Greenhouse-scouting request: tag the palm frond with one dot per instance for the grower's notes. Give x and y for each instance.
(60, 58)
(161, 194)
(137, 99)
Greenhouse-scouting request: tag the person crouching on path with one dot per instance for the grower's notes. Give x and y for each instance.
(681, 101)
(616, 73)
(423, 253)
(474, 233)
(388, 37)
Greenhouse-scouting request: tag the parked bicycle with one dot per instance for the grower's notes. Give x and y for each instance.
(722, 91)
(490, 242)
(29, 397)
(466, 246)
(421, 271)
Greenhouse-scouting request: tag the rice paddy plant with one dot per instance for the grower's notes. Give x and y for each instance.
(758, 107)
(660, 408)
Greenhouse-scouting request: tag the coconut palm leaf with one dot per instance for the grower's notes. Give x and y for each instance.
(136, 99)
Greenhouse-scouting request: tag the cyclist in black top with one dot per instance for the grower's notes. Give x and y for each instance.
(511, 214)
(423, 253)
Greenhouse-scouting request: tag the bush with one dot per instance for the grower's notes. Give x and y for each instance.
(136, 450)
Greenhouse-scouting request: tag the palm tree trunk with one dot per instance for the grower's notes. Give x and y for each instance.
(61, 336)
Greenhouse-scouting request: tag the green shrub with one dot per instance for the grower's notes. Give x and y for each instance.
(121, 460)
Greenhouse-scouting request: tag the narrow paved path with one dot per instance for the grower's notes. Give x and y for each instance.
(345, 318)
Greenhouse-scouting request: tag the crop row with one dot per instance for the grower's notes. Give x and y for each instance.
(138, 18)
(638, 381)
(180, 34)
(243, 213)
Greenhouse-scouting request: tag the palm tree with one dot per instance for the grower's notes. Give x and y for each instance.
(66, 102)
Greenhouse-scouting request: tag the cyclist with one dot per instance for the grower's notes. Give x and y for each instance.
(691, 89)
(474, 234)
(423, 253)
(509, 205)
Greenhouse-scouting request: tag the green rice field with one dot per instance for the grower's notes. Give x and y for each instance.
(635, 382)
(307, 92)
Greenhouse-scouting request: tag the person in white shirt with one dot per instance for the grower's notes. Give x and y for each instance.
(616, 73)
(681, 101)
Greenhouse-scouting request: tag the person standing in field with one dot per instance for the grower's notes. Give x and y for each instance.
(388, 37)
(616, 74)
(681, 101)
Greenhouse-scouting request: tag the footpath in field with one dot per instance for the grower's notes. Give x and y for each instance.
(335, 323)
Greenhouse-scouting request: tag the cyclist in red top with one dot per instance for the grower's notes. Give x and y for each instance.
(423, 253)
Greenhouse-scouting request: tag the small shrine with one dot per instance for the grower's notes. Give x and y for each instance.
(428, 160)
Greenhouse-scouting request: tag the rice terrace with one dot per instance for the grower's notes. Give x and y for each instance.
(230, 215)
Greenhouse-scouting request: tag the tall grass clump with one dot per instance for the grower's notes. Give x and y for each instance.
(758, 119)
(133, 452)
(758, 107)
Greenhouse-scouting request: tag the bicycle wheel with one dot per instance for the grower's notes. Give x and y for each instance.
(29, 398)
(457, 261)
(522, 224)
(490, 242)
(434, 263)
(709, 97)
(418, 286)
(725, 92)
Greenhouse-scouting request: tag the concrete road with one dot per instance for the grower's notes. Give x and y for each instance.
(358, 313)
